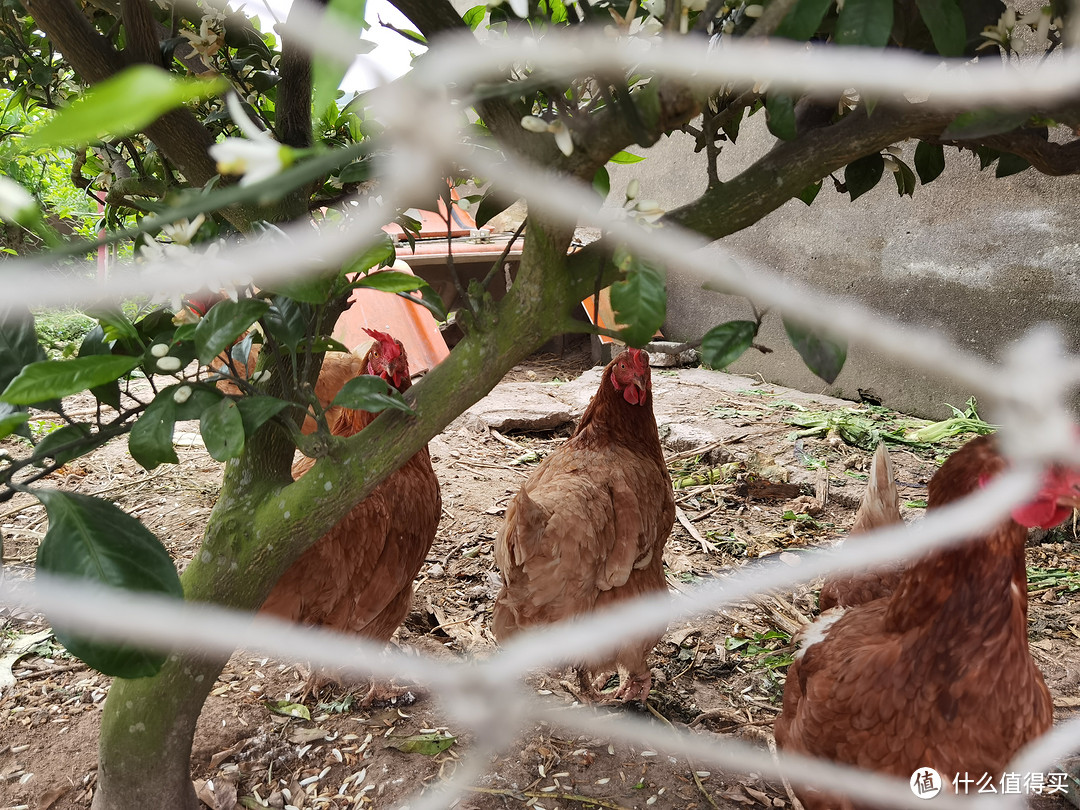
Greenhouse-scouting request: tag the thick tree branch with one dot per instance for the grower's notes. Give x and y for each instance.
(141, 32)
(1055, 159)
(294, 91)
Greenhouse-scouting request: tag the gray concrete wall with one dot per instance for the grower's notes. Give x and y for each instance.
(979, 258)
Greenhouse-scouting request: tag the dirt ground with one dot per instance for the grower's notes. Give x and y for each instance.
(722, 674)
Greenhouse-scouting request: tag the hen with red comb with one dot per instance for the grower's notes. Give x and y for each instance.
(937, 672)
(588, 528)
(358, 577)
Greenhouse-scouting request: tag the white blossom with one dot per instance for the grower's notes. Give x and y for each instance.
(181, 394)
(256, 156)
(16, 203)
(563, 139)
(183, 231)
(159, 349)
(169, 364)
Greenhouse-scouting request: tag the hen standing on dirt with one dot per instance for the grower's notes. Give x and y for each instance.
(589, 527)
(938, 674)
(358, 577)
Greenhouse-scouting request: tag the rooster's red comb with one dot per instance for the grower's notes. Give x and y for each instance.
(638, 358)
(391, 347)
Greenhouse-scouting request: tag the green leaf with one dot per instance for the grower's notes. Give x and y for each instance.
(808, 194)
(823, 356)
(986, 156)
(91, 539)
(323, 344)
(150, 440)
(48, 446)
(490, 207)
(11, 421)
(116, 327)
(731, 128)
(625, 157)
(121, 105)
(286, 321)
(222, 429)
(780, 115)
(905, 179)
(863, 174)
(381, 252)
(474, 16)
(724, 344)
(256, 411)
(429, 300)
(929, 161)
(1009, 164)
(356, 172)
(55, 379)
(310, 289)
(289, 709)
(427, 744)
(864, 22)
(640, 302)
(981, 123)
(803, 21)
(946, 24)
(18, 342)
(372, 394)
(328, 71)
(223, 324)
(391, 281)
(601, 182)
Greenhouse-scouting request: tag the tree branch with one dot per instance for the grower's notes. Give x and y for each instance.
(294, 91)
(141, 32)
(1054, 159)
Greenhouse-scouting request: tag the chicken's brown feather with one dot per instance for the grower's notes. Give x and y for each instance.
(589, 527)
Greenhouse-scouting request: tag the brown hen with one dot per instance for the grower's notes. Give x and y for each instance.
(937, 674)
(589, 527)
(358, 576)
(880, 506)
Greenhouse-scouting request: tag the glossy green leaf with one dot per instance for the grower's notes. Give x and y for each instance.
(981, 123)
(808, 194)
(427, 744)
(823, 355)
(381, 252)
(323, 344)
(223, 324)
(864, 22)
(986, 156)
(95, 343)
(222, 430)
(256, 411)
(724, 344)
(945, 22)
(150, 440)
(55, 379)
(474, 16)
(905, 179)
(310, 289)
(287, 321)
(625, 157)
(18, 342)
(50, 446)
(490, 207)
(601, 182)
(116, 327)
(780, 115)
(372, 394)
(863, 174)
(640, 302)
(429, 300)
(391, 281)
(1009, 164)
(929, 161)
(91, 539)
(804, 20)
(731, 128)
(121, 105)
(357, 172)
(11, 420)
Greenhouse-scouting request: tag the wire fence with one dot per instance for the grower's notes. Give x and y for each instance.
(1027, 393)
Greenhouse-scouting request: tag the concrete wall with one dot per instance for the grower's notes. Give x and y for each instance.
(980, 258)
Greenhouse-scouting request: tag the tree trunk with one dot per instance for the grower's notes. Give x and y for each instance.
(147, 730)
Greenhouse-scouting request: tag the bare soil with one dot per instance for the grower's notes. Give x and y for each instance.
(720, 674)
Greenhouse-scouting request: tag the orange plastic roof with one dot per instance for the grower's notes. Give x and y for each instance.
(410, 323)
(606, 317)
